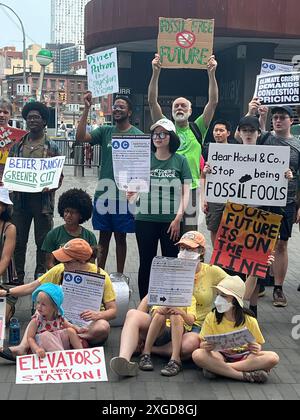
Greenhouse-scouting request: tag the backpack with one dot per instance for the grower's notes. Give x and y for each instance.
(197, 133)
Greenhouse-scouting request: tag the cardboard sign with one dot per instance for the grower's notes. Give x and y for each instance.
(70, 366)
(245, 239)
(231, 340)
(33, 175)
(252, 175)
(102, 69)
(278, 89)
(8, 136)
(275, 66)
(185, 43)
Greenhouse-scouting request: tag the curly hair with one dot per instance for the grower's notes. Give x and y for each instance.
(76, 199)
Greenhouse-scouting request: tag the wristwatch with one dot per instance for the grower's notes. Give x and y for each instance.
(7, 293)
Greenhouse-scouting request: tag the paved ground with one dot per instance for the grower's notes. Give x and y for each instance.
(276, 324)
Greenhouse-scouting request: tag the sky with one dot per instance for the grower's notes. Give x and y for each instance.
(36, 18)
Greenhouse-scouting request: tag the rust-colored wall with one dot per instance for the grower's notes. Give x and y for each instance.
(113, 21)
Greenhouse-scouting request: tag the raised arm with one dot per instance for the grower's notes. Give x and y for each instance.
(213, 92)
(155, 109)
(81, 133)
(8, 248)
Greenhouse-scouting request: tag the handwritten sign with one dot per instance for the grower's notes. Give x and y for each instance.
(252, 175)
(185, 43)
(33, 175)
(231, 340)
(171, 282)
(278, 89)
(245, 239)
(131, 163)
(70, 366)
(102, 68)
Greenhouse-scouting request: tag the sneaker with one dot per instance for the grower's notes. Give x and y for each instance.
(257, 376)
(145, 363)
(262, 291)
(279, 299)
(209, 375)
(120, 366)
(172, 368)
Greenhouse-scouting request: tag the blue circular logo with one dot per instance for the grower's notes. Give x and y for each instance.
(265, 66)
(272, 66)
(125, 145)
(68, 277)
(116, 145)
(78, 279)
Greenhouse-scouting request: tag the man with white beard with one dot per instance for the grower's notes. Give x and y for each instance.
(191, 135)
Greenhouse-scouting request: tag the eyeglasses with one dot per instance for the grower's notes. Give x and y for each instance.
(34, 118)
(118, 107)
(162, 135)
(280, 117)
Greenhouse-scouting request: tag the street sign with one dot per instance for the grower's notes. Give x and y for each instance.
(23, 90)
(74, 107)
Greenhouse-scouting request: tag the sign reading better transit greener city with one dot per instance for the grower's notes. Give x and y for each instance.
(185, 43)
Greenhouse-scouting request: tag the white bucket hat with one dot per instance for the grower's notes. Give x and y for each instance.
(4, 196)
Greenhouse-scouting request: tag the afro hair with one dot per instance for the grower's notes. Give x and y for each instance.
(36, 106)
(76, 199)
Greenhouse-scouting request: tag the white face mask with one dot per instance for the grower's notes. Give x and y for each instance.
(185, 254)
(222, 305)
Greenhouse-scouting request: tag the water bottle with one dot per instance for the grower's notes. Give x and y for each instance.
(14, 332)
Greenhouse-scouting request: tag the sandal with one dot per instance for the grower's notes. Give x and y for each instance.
(257, 376)
(120, 366)
(172, 368)
(7, 354)
(145, 363)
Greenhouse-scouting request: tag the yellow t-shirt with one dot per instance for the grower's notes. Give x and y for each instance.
(209, 275)
(211, 327)
(190, 310)
(55, 276)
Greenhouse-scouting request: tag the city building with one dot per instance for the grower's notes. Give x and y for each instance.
(245, 33)
(56, 52)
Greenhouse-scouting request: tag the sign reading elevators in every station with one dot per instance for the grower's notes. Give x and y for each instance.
(185, 43)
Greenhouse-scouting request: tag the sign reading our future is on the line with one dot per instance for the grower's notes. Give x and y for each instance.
(185, 43)
(33, 175)
(102, 69)
(253, 175)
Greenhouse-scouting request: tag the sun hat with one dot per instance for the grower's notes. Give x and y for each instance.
(193, 239)
(4, 196)
(54, 291)
(76, 249)
(233, 286)
(165, 123)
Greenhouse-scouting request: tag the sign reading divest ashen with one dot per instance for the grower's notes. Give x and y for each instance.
(276, 89)
(185, 43)
(251, 175)
(102, 69)
(245, 239)
(32, 175)
(87, 365)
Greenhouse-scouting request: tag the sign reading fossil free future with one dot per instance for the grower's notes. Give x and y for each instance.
(32, 175)
(102, 69)
(185, 43)
(253, 175)
(245, 239)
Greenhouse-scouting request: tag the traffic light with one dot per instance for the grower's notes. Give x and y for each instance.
(62, 96)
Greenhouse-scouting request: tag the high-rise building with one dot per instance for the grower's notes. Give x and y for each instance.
(67, 21)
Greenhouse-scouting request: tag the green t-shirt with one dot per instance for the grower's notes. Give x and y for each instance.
(162, 202)
(103, 137)
(58, 237)
(191, 149)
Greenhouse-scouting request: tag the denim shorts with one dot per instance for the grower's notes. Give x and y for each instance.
(117, 218)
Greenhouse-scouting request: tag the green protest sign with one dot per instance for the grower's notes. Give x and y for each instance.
(185, 43)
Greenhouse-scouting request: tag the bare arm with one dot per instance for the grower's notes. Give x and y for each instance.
(109, 313)
(31, 333)
(213, 92)
(8, 248)
(81, 134)
(155, 109)
(174, 228)
(24, 290)
(50, 261)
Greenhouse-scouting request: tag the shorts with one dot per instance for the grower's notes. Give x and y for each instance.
(233, 358)
(195, 329)
(289, 218)
(113, 216)
(10, 300)
(214, 216)
(164, 339)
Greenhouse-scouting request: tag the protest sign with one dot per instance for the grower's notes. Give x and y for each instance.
(231, 340)
(278, 89)
(185, 43)
(245, 239)
(70, 366)
(33, 175)
(82, 291)
(8, 136)
(171, 282)
(251, 175)
(275, 66)
(102, 70)
(131, 163)
(2, 320)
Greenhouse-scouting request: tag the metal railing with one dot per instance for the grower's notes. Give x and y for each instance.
(80, 156)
